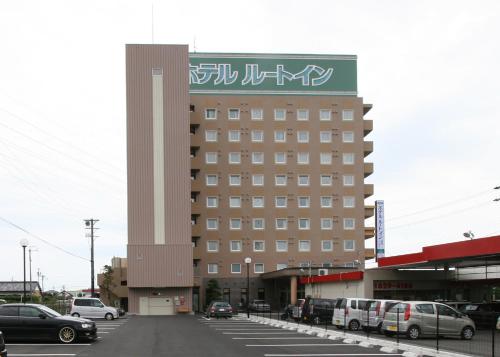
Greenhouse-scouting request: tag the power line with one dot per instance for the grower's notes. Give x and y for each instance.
(41, 239)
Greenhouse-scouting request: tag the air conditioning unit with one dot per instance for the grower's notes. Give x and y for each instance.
(322, 272)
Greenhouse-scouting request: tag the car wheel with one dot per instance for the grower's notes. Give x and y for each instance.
(75, 314)
(467, 333)
(413, 332)
(67, 334)
(354, 325)
(109, 316)
(379, 328)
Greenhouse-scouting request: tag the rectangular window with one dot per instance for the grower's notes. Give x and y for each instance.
(280, 158)
(212, 246)
(210, 157)
(302, 136)
(210, 135)
(325, 158)
(235, 223)
(279, 114)
(349, 223)
(235, 202)
(302, 158)
(280, 180)
(281, 266)
(235, 268)
(348, 158)
(257, 202)
(233, 136)
(235, 246)
(258, 268)
(327, 265)
(212, 202)
(326, 180)
(349, 201)
(302, 114)
(303, 180)
(349, 245)
(258, 180)
(304, 245)
(281, 223)
(256, 114)
(233, 114)
(325, 136)
(257, 136)
(211, 180)
(303, 202)
(347, 114)
(257, 158)
(212, 224)
(213, 268)
(235, 158)
(235, 180)
(304, 223)
(282, 246)
(258, 223)
(326, 246)
(326, 201)
(325, 114)
(326, 224)
(210, 114)
(279, 136)
(258, 245)
(348, 180)
(347, 136)
(280, 202)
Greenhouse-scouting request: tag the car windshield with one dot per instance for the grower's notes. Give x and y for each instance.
(49, 311)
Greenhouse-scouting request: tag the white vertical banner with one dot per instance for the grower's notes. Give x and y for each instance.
(379, 229)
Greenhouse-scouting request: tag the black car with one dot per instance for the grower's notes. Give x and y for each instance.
(318, 310)
(33, 321)
(3, 351)
(483, 314)
(219, 309)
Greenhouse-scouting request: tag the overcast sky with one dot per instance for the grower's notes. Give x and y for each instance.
(430, 69)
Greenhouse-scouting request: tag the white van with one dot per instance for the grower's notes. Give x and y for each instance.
(373, 316)
(92, 308)
(348, 312)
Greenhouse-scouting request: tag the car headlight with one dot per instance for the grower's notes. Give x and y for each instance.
(84, 325)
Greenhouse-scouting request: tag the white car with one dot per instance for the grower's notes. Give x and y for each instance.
(92, 308)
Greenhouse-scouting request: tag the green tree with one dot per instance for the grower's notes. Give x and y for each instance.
(107, 281)
(212, 292)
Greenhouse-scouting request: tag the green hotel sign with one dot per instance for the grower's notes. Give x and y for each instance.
(261, 74)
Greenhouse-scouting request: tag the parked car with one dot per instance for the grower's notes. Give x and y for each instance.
(373, 315)
(318, 310)
(348, 313)
(260, 306)
(34, 321)
(219, 309)
(297, 309)
(3, 350)
(483, 314)
(419, 318)
(92, 308)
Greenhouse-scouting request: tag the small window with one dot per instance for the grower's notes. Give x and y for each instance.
(349, 223)
(302, 158)
(233, 136)
(210, 135)
(258, 245)
(257, 202)
(235, 202)
(326, 224)
(326, 201)
(212, 202)
(235, 158)
(304, 245)
(304, 202)
(281, 223)
(281, 266)
(235, 223)
(280, 202)
(347, 136)
(234, 114)
(212, 224)
(303, 180)
(256, 114)
(258, 180)
(14, 310)
(280, 158)
(279, 114)
(236, 268)
(257, 136)
(258, 223)
(325, 158)
(349, 245)
(258, 268)
(348, 180)
(302, 136)
(212, 246)
(349, 201)
(257, 158)
(325, 114)
(348, 158)
(302, 114)
(348, 115)
(280, 180)
(234, 180)
(211, 158)
(425, 308)
(211, 179)
(279, 136)
(304, 223)
(282, 246)
(235, 246)
(325, 136)
(326, 180)
(210, 114)
(326, 246)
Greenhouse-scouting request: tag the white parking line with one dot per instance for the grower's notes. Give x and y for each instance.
(260, 333)
(245, 329)
(102, 332)
(107, 328)
(274, 338)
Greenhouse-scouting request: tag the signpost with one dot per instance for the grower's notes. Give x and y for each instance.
(379, 230)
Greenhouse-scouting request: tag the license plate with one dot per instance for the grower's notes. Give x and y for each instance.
(392, 328)
(222, 310)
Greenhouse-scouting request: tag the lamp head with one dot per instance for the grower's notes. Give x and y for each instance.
(24, 242)
(248, 260)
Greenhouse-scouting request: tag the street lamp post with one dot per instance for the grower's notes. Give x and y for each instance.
(248, 260)
(24, 243)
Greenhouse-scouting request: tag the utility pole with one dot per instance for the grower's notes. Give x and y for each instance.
(31, 249)
(89, 223)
